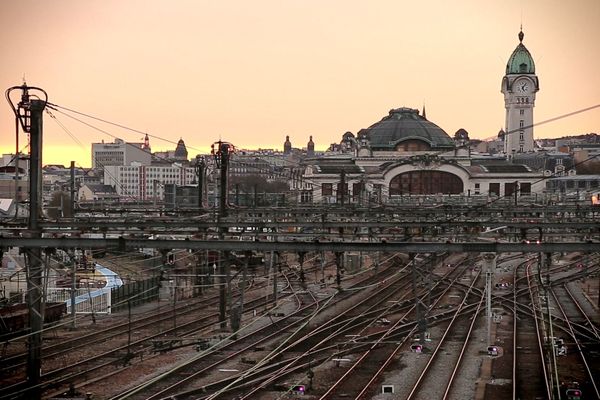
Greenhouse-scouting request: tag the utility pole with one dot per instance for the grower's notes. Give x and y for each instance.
(339, 258)
(73, 289)
(222, 160)
(28, 114)
(489, 266)
(550, 340)
(274, 265)
(72, 201)
(198, 275)
(421, 323)
(200, 168)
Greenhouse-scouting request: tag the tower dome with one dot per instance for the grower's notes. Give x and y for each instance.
(520, 61)
(181, 152)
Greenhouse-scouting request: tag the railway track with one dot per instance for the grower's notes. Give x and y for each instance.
(82, 364)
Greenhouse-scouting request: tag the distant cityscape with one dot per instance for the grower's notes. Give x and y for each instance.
(403, 154)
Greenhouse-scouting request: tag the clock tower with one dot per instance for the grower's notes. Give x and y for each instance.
(519, 86)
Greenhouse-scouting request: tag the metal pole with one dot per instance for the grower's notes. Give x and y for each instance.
(200, 174)
(73, 292)
(34, 276)
(489, 264)
(72, 202)
(274, 255)
(17, 159)
(547, 288)
(243, 285)
(175, 306)
(418, 311)
(224, 264)
(322, 267)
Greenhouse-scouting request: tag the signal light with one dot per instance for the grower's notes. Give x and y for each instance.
(299, 388)
(417, 348)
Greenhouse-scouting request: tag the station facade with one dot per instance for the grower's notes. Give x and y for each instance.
(405, 154)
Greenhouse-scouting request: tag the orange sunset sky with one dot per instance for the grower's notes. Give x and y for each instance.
(252, 72)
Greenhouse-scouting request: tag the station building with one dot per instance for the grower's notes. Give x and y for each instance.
(406, 154)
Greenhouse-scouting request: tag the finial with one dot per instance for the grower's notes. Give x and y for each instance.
(521, 34)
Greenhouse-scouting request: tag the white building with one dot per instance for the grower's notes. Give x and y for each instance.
(519, 86)
(406, 155)
(120, 153)
(145, 182)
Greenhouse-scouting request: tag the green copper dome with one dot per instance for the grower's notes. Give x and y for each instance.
(405, 124)
(520, 62)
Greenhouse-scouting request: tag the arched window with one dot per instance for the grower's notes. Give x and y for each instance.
(425, 182)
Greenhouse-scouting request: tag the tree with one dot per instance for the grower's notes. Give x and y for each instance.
(59, 206)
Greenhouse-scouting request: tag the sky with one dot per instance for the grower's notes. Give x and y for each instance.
(252, 72)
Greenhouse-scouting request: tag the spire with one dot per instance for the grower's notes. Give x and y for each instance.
(521, 34)
(424, 113)
(181, 152)
(310, 147)
(287, 145)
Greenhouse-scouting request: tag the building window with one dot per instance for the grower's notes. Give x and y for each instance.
(357, 189)
(327, 189)
(494, 189)
(521, 112)
(521, 123)
(306, 197)
(509, 188)
(521, 136)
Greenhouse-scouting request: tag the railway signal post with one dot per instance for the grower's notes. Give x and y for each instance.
(489, 264)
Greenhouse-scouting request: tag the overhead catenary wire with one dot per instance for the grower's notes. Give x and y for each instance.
(303, 180)
(58, 109)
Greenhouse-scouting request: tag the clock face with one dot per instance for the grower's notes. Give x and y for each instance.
(522, 87)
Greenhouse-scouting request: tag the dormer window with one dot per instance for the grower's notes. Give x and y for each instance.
(523, 67)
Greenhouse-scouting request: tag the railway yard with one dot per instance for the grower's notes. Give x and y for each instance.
(291, 305)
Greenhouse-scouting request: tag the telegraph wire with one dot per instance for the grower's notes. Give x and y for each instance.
(302, 179)
(55, 106)
(75, 139)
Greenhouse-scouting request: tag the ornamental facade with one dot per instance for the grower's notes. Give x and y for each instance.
(405, 155)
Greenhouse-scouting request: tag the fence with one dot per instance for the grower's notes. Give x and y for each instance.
(87, 300)
(138, 292)
(105, 300)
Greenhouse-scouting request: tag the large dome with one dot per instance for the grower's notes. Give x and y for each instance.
(405, 124)
(520, 61)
